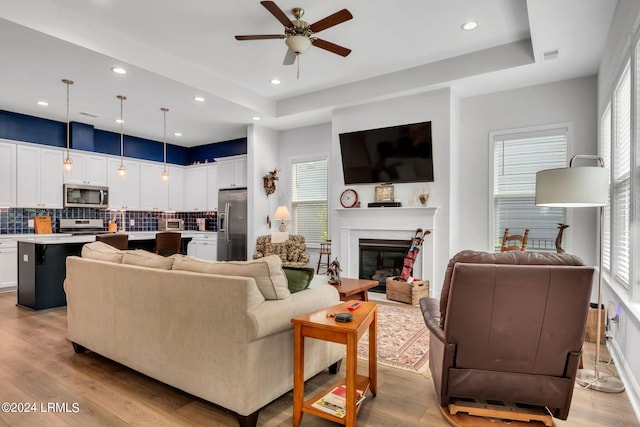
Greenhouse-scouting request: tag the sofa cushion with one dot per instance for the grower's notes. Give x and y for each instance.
(512, 257)
(298, 278)
(102, 252)
(266, 271)
(147, 259)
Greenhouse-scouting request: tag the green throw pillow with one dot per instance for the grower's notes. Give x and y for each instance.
(298, 278)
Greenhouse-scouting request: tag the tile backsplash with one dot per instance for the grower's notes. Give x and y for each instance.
(16, 220)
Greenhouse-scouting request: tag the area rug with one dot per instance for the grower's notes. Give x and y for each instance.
(403, 338)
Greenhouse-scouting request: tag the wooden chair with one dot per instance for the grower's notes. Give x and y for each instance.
(514, 242)
(168, 243)
(119, 241)
(325, 250)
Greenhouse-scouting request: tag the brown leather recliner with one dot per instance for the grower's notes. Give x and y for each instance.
(509, 326)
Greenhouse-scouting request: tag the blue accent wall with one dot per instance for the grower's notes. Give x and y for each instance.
(21, 127)
(81, 136)
(217, 150)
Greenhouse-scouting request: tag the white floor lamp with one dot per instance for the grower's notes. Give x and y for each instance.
(576, 187)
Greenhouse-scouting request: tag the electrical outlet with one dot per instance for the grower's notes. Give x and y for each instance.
(132, 222)
(31, 223)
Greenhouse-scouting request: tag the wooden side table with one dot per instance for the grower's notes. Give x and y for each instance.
(318, 325)
(351, 289)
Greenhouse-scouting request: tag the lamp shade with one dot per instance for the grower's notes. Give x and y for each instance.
(573, 187)
(282, 214)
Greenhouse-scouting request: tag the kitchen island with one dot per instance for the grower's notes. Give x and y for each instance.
(42, 263)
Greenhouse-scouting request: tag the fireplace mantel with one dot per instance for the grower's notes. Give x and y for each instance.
(386, 223)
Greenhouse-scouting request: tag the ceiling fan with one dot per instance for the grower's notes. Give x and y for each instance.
(298, 34)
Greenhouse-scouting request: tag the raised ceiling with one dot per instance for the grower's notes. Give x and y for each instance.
(176, 50)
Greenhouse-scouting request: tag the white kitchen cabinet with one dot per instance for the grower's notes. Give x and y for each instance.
(176, 188)
(124, 192)
(7, 175)
(154, 192)
(39, 177)
(204, 247)
(8, 264)
(89, 169)
(196, 188)
(212, 187)
(232, 171)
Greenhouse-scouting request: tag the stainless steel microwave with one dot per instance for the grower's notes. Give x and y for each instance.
(170, 224)
(85, 196)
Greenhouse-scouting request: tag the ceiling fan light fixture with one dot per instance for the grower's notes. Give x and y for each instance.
(298, 44)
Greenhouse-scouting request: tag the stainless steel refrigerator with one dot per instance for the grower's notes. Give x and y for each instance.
(232, 224)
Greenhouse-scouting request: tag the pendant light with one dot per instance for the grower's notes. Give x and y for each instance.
(165, 174)
(122, 170)
(68, 164)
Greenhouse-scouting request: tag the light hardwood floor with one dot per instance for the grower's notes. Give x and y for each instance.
(38, 365)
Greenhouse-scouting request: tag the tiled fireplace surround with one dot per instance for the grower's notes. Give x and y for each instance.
(386, 223)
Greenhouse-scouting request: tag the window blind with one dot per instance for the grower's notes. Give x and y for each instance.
(622, 178)
(516, 159)
(605, 139)
(309, 200)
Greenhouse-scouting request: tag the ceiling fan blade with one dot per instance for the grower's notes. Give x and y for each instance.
(289, 58)
(331, 47)
(261, 37)
(277, 12)
(331, 20)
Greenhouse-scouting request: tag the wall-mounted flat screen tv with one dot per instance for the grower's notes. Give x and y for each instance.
(393, 154)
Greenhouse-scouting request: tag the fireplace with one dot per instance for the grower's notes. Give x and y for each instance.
(397, 224)
(381, 258)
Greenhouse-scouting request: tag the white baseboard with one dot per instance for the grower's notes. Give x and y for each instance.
(630, 385)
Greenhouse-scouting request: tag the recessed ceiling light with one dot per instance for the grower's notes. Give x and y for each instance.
(274, 81)
(43, 103)
(256, 118)
(198, 99)
(469, 25)
(119, 121)
(119, 70)
(177, 134)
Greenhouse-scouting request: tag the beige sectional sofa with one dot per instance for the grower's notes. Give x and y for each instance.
(219, 331)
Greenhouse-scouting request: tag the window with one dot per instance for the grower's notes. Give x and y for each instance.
(605, 141)
(309, 205)
(516, 159)
(621, 178)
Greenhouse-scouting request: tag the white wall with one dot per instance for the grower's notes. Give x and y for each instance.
(434, 106)
(566, 101)
(262, 156)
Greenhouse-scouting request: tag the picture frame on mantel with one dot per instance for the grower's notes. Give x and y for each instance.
(384, 193)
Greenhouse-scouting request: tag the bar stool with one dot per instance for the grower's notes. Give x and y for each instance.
(118, 241)
(325, 249)
(168, 243)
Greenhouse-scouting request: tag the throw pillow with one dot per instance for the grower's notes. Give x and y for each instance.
(266, 271)
(102, 252)
(147, 259)
(298, 278)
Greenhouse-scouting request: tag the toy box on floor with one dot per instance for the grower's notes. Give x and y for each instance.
(409, 293)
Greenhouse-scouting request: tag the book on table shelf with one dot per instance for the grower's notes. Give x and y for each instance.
(335, 402)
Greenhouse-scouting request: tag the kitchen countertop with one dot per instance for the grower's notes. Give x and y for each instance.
(60, 238)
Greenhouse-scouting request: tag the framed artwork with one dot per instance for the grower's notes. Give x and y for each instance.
(384, 193)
